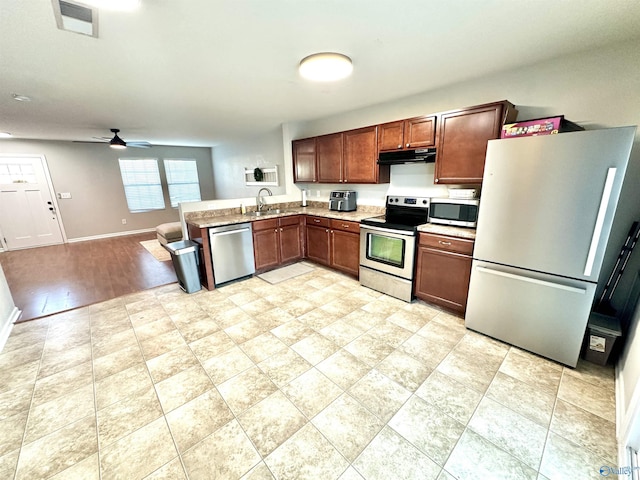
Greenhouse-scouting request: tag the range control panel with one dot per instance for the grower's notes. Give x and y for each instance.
(420, 202)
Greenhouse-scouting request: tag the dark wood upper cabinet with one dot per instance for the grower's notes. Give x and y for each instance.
(420, 132)
(304, 160)
(329, 155)
(391, 136)
(462, 141)
(460, 137)
(360, 157)
(417, 132)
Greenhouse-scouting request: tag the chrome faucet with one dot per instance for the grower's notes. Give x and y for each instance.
(260, 200)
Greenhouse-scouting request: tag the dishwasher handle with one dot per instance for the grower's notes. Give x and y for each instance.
(230, 232)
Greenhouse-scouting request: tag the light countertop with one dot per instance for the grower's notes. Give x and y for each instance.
(206, 219)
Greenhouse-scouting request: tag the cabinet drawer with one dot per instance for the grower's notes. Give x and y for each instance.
(345, 226)
(318, 221)
(271, 223)
(291, 220)
(449, 244)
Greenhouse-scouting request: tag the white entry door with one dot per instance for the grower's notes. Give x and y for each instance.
(28, 216)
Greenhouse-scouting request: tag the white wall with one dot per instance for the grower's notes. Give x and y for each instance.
(230, 161)
(91, 173)
(8, 311)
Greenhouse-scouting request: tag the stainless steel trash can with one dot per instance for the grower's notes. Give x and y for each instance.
(184, 256)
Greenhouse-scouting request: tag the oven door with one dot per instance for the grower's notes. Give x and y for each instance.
(386, 250)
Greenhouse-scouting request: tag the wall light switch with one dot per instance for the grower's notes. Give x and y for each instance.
(64, 195)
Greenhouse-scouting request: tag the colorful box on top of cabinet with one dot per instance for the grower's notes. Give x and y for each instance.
(539, 126)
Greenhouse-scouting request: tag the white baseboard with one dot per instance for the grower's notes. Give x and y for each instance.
(110, 235)
(8, 325)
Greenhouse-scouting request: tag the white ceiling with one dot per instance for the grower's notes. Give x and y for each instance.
(202, 72)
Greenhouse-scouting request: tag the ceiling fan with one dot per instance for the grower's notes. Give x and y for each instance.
(117, 142)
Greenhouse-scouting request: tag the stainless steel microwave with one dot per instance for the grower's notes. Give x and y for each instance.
(459, 212)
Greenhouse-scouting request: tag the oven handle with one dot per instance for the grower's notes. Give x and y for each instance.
(405, 233)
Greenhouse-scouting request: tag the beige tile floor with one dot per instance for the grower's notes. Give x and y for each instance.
(313, 378)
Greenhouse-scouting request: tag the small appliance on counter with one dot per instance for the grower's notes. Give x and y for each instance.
(458, 212)
(343, 200)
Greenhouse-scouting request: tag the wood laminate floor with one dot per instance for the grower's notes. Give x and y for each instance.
(48, 280)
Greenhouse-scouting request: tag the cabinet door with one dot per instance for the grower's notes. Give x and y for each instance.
(420, 132)
(345, 251)
(318, 244)
(442, 278)
(329, 155)
(266, 248)
(462, 141)
(304, 160)
(361, 157)
(391, 136)
(290, 245)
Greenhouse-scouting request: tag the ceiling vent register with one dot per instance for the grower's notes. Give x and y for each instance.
(76, 17)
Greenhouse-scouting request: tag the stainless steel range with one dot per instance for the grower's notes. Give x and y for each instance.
(388, 246)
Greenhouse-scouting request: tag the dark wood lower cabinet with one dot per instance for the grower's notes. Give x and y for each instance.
(277, 241)
(345, 246)
(318, 248)
(334, 243)
(266, 246)
(443, 270)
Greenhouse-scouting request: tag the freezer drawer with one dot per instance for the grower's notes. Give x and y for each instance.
(541, 313)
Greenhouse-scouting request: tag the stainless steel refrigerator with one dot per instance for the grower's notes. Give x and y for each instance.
(546, 214)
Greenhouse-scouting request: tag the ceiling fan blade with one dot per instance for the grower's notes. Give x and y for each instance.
(139, 144)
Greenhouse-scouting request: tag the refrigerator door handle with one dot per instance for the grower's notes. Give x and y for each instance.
(531, 280)
(597, 230)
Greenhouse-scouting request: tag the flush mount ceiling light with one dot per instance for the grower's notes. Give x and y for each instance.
(5, 135)
(326, 67)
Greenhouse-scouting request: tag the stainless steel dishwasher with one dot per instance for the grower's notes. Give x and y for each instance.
(231, 252)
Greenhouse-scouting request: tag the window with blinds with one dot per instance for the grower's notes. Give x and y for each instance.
(182, 179)
(142, 186)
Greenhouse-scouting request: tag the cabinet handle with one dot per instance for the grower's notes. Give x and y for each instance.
(316, 220)
(408, 145)
(276, 230)
(399, 146)
(345, 226)
(444, 243)
(280, 229)
(327, 230)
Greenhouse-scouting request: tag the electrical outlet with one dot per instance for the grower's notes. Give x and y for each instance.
(124, 221)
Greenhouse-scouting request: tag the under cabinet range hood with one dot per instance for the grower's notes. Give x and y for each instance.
(418, 155)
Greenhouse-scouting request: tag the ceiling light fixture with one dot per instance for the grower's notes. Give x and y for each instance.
(326, 67)
(5, 135)
(116, 141)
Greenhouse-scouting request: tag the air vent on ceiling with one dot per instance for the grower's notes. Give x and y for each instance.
(76, 17)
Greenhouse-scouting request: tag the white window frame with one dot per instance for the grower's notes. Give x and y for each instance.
(135, 183)
(174, 197)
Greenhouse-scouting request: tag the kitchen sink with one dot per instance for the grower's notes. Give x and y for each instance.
(264, 212)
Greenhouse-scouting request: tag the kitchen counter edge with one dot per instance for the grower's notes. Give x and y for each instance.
(356, 216)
